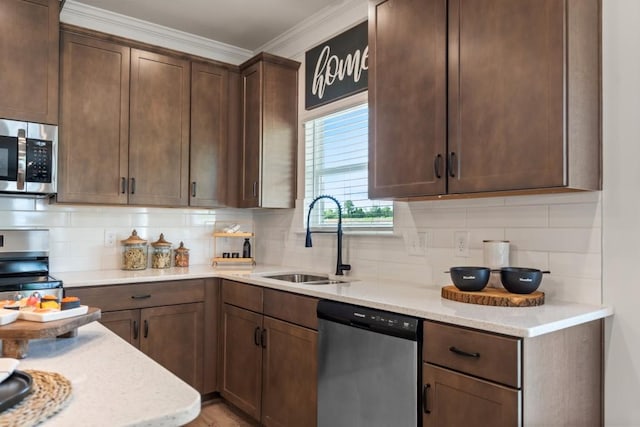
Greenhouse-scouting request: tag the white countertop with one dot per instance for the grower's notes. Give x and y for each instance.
(411, 299)
(114, 384)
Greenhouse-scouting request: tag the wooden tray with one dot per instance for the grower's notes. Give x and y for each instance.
(15, 336)
(494, 296)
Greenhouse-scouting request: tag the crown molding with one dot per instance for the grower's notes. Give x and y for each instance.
(318, 27)
(93, 18)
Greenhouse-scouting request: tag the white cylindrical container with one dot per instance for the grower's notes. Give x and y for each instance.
(496, 256)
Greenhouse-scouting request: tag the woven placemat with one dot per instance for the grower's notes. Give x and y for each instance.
(49, 394)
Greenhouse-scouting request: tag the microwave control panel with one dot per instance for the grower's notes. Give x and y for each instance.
(39, 160)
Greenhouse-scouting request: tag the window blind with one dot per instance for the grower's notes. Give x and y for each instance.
(336, 164)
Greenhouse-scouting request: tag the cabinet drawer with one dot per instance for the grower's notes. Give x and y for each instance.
(481, 354)
(241, 295)
(140, 295)
(292, 308)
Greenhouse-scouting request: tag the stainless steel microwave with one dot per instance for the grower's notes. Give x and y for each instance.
(28, 157)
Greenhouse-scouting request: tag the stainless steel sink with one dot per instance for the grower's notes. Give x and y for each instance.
(306, 279)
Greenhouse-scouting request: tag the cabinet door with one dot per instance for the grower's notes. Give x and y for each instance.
(251, 136)
(242, 359)
(209, 129)
(29, 68)
(289, 377)
(506, 92)
(173, 336)
(407, 98)
(455, 400)
(159, 130)
(124, 323)
(94, 136)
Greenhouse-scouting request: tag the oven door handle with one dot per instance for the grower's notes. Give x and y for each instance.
(22, 159)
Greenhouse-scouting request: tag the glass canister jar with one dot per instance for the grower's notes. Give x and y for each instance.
(134, 252)
(161, 255)
(182, 256)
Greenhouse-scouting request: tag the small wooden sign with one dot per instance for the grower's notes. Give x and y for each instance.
(337, 68)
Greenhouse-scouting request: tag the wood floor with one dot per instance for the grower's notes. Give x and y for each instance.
(216, 413)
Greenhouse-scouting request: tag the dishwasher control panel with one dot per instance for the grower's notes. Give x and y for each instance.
(369, 318)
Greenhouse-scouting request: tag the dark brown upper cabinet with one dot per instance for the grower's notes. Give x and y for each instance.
(94, 118)
(269, 133)
(124, 134)
(30, 57)
(159, 129)
(522, 93)
(209, 135)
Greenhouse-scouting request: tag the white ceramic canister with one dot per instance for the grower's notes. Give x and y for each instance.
(496, 256)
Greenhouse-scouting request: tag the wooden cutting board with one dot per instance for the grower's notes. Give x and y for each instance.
(15, 336)
(494, 296)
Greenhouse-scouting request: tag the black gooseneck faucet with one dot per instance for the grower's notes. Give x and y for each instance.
(340, 267)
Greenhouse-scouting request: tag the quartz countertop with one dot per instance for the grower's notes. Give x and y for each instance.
(415, 300)
(113, 383)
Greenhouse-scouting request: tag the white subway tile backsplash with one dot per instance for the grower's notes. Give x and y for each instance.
(559, 232)
(509, 216)
(585, 240)
(587, 215)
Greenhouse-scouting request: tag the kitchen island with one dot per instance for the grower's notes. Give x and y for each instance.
(113, 383)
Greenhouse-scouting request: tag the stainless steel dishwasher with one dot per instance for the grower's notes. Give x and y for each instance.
(368, 367)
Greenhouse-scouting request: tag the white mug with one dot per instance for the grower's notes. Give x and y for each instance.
(496, 256)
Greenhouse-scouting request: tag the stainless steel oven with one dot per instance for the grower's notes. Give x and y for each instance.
(28, 157)
(24, 265)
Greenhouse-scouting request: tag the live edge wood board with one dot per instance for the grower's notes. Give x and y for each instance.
(494, 296)
(15, 336)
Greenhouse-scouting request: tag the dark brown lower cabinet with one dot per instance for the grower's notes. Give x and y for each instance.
(289, 395)
(166, 321)
(477, 378)
(269, 364)
(452, 399)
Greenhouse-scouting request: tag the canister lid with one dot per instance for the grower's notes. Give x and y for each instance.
(134, 239)
(181, 248)
(160, 243)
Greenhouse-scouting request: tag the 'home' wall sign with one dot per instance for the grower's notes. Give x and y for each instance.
(337, 68)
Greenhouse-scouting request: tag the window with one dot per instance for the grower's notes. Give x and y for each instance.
(336, 164)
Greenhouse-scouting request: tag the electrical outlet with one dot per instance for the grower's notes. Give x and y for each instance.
(461, 243)
(109, 239)
(417, 244)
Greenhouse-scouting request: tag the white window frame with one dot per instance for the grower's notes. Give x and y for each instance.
(322, 203)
